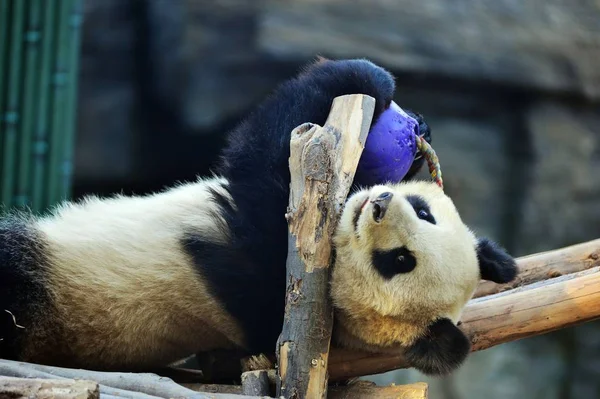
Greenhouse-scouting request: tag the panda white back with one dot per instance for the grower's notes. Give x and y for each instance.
(120, 282)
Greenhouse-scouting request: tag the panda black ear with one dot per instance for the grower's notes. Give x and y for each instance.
(495, 264)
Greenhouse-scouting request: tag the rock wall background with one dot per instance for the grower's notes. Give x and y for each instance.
(511, 90)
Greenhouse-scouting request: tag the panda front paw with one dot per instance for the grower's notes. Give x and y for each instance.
(355, 76)
(441, 350)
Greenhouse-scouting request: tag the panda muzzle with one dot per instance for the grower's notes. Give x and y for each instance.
(380, 205)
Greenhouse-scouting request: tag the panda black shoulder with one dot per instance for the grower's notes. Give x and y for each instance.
(24, 294)
(247, 273)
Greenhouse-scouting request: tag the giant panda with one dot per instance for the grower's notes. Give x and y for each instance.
(136, 282)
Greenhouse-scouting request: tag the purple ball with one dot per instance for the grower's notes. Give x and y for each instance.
(390, 148)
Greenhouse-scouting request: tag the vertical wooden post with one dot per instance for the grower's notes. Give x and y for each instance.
(323, 162)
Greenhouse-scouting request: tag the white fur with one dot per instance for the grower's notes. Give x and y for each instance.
(444, 279)
(122, 284)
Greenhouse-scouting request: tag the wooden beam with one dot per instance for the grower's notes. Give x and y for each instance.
(323, 162)
(507, 316)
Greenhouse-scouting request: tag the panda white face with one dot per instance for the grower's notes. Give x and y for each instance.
(403, 250)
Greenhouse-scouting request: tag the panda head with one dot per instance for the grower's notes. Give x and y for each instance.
(405, 267)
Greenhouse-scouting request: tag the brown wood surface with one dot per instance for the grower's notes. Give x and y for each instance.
(323, 162)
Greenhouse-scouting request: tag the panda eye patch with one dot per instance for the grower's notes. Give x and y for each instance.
(391, 262)
(421, 208)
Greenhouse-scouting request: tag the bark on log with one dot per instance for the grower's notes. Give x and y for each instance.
(323, 162)
(547, 265)
(256, 383)
(492, 320)
(367, 389)
(16, 388)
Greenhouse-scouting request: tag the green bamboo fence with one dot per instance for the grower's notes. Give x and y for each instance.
(39, 53)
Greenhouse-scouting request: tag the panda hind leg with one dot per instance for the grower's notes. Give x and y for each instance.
(441, 350)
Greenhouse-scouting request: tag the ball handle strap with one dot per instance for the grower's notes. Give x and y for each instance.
(432, 160)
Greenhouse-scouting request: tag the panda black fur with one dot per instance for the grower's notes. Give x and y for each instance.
(132, 283)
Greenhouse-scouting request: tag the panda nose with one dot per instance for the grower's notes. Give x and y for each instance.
(380, 205)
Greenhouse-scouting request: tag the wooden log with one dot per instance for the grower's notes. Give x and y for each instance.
(356, 390)
(255, 383)
(537, 268)
(125, 385)
(323, 162)
(28, 370)
(16, 388)
(507, 316)
(367, 389)
(546, 265)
